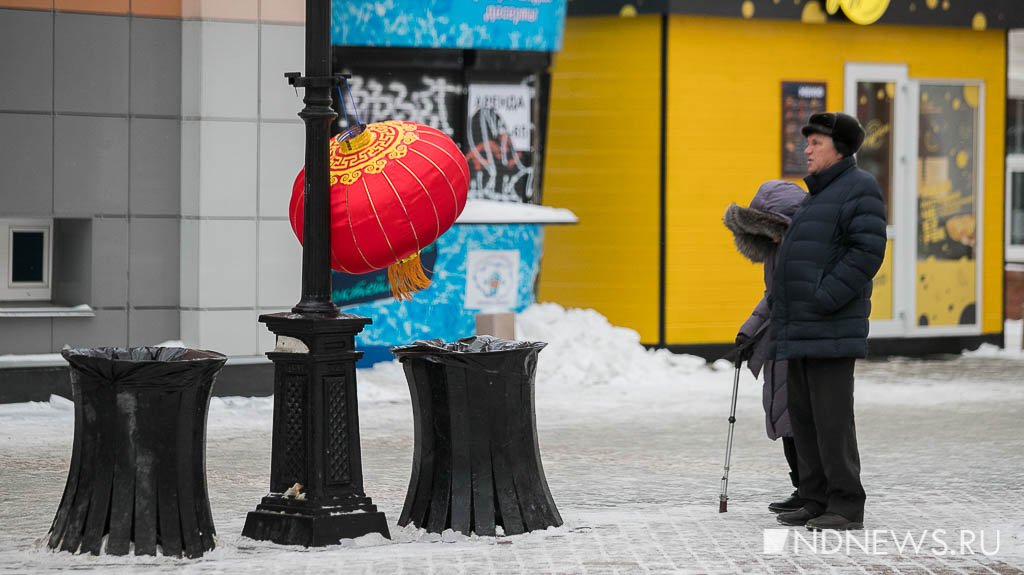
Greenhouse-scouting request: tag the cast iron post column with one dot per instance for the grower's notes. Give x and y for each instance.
(316, 479)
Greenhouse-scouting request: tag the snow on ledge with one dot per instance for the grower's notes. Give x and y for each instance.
(494, 212)
(8, 361)
(82, 310)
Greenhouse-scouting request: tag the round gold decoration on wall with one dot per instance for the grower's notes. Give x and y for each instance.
(812, 13)
(861, 12)
(979, 22)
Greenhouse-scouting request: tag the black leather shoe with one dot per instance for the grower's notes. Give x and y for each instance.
(799, 517)
(791, 503)
(833, 521)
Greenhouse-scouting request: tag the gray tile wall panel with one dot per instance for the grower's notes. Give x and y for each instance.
(153, 326)
(154, 262)
(90, 165)
(26, 164)
(26, 67)
(156, 67)
(191, 67)
(282, 49)
(91, 64)
(155, 167)
(25, 335)
(72, 261)
(229, 70)
(282, 155)
(109, 262)
(190, 166)
(108, 329)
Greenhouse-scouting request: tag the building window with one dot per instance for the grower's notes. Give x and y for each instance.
(1014, 126)
(25, 269)
(1015, 208)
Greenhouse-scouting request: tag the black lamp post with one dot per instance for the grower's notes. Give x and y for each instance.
(316, 478)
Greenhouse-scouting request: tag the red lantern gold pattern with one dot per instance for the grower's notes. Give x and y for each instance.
(395, 188)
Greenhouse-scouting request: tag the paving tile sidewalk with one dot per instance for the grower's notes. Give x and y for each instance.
(637, 487)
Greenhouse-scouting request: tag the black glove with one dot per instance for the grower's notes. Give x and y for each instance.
(743, 350)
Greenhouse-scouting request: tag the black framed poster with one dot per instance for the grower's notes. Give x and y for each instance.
(799, 101)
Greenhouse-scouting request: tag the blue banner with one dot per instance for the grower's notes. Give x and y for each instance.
(349, 289)
(478, 24)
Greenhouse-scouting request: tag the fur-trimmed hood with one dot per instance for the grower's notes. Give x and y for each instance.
(758, 229)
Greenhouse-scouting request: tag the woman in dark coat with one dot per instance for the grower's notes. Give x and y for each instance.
(758, 230)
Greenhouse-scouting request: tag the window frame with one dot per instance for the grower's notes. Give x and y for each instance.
(11, 291)
(1014, 165)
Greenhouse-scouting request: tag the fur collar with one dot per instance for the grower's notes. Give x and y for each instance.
(756, 233)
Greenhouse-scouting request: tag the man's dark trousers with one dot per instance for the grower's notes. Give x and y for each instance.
(820, 393)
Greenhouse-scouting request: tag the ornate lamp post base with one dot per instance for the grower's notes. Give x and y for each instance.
(290, 522)
(316, 477)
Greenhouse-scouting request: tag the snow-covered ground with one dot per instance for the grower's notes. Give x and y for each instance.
(633, 442)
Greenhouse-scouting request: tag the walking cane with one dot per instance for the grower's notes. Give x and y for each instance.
(723, 499)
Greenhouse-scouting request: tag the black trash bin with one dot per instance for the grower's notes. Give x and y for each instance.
(476, 460)
(138, 470)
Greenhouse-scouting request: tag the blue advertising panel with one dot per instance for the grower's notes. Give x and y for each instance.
(465, 278)
(470, 24)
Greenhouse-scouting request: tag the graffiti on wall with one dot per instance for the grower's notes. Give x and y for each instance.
(497, 134)
(430, 99)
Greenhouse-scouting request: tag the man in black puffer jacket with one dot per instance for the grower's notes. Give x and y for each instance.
(821, 299)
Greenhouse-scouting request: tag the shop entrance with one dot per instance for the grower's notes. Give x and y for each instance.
(923, 146)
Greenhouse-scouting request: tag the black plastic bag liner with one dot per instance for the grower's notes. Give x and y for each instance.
(480, 352)
(155, 367)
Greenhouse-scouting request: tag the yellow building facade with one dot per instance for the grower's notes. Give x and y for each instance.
(658, 122)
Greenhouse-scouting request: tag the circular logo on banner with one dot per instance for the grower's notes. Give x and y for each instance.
(861, 12)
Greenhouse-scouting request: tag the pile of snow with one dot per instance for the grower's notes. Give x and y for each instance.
(590, 364)
(584, 348)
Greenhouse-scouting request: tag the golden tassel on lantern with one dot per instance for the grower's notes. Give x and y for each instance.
(406, 277)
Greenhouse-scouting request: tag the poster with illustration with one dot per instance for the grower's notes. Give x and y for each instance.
(499, 142)
(492, 277)
(799, 101)
(947, 211)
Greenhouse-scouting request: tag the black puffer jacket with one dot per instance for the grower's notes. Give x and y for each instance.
(821, 293)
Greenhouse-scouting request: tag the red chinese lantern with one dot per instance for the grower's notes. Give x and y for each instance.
(395, 188)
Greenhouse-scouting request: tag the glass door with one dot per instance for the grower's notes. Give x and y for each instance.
(878, 95)
(949, 195)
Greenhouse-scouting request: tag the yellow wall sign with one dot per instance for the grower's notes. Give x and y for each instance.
(861, 12)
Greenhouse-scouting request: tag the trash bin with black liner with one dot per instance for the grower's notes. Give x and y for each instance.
(476, 459)
(138, 473)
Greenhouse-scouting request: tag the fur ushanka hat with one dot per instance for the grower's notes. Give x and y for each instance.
(846, 132)
(758, 229)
